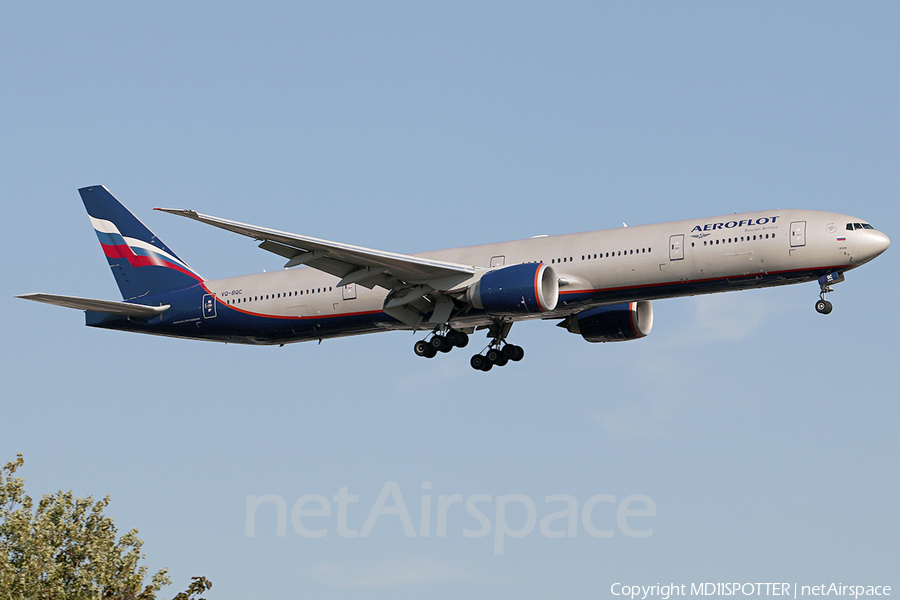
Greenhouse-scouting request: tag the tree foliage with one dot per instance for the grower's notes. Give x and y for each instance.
(65, 548)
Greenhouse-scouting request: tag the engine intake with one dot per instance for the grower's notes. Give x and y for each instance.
(614, 323)
(523, 288)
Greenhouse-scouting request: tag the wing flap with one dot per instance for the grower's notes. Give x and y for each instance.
(125, 309)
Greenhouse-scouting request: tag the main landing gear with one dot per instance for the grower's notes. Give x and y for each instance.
(498, 352)
(443, 340)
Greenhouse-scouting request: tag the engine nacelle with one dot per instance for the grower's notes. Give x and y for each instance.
(615, 323)
(524, 288)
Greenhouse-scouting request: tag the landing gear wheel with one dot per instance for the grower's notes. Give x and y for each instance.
(440, 343)
(478, 362)
(823, 307)
(493, 356)
(457, 338)
(423, 348)
(513, 352)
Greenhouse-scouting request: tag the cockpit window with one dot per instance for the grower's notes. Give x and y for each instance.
(852, 226)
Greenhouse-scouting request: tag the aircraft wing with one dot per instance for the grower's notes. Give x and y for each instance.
(353, 264)
(125, 309)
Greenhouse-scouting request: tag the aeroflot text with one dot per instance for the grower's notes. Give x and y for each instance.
(514, 515)
(730, 224)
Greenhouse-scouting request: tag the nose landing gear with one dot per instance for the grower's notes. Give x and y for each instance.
(823, 306)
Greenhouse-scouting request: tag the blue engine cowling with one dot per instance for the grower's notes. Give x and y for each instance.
(614, 323)
(523, 288)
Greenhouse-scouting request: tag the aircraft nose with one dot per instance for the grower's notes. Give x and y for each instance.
(880, 243)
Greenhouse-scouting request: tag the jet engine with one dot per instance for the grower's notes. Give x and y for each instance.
(516, 289)
(614, 323)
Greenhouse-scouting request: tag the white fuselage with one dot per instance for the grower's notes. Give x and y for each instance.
(644, 262)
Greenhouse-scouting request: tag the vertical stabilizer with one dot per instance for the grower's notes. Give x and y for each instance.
(141, 263)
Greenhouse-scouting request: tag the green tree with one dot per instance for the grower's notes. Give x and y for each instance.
(65, 548)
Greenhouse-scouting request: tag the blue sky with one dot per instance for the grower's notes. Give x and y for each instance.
(763, 433)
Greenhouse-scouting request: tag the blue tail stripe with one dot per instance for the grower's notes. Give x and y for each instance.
(144, 266)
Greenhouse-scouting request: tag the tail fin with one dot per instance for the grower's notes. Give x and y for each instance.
(141, 263)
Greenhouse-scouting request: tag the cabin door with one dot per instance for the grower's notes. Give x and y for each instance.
(676, 247)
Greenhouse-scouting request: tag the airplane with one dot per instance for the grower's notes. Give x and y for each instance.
(598, 284)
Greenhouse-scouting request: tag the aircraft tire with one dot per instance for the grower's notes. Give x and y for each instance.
(478, 362)
(458, 338)
(516, 353)
(423, 348)
(824, 307)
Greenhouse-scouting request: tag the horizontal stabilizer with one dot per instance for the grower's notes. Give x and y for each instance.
(125, 309)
